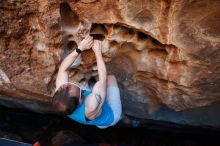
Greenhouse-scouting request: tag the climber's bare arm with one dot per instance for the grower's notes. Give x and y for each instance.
(62, 76)
(95, 100)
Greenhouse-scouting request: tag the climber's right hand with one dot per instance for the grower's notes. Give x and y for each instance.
(86, 43)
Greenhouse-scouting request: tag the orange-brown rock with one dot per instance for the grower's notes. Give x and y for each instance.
(163, 53)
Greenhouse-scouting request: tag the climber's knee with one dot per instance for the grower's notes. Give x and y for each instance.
(112, 81)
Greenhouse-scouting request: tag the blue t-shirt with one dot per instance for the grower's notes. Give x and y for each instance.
(104, 119)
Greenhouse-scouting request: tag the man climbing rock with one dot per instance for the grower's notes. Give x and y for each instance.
(102, 105)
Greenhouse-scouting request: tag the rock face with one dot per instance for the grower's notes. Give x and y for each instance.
(164, 53)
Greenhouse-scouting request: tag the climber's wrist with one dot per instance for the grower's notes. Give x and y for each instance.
(78, 51)
(80, 48)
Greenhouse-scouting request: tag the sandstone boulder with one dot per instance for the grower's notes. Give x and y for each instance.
(165, 54)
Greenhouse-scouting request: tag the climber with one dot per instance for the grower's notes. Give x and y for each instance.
(100, 106)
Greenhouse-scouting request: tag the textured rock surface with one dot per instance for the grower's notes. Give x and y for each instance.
(164, 53)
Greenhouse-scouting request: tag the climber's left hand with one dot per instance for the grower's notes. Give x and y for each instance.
(86, 43)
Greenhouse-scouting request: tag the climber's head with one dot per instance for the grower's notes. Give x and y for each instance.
(66, 98)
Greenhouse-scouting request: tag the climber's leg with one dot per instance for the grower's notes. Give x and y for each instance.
(113, 98)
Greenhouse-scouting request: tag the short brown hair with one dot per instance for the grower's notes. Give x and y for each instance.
(62, 96)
